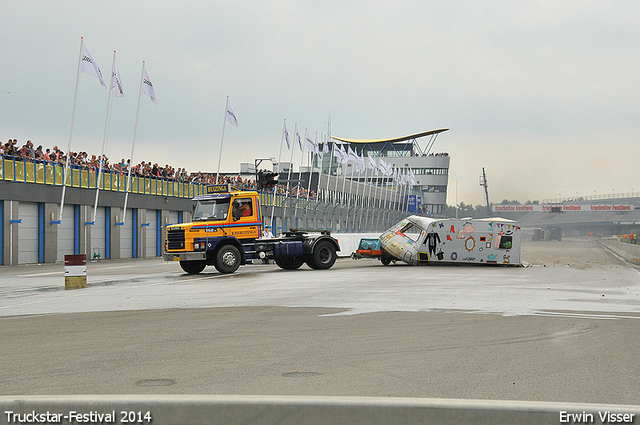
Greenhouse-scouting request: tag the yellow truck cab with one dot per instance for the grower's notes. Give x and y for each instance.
(227, 231)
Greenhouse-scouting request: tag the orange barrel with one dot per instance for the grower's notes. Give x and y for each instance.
(75, 271)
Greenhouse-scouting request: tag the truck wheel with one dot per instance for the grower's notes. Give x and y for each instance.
(193, 267)
(385, 261)
(323, 256)
(228, 259)
(290, 263)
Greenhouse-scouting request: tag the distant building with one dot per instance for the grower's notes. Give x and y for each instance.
(430, 169)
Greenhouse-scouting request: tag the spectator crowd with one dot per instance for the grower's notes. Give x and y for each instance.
(82, 161)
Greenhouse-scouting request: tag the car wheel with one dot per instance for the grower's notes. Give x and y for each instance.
(323, 256)
(290, 263)
(193, 267)
(228, 259)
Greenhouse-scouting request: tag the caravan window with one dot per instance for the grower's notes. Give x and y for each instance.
(411, 231)
(505, 242)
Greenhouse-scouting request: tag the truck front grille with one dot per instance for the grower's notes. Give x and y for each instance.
(175, 239)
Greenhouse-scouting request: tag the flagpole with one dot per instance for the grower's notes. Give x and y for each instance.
(73, 115)
(366, 169)
(403, 192)
(288, 193)
(373, 172)
(335, 191)
(135, 131)
(386, 197)
(224, 122)
(300, 177)
(350, 188)
(375, 199)
(344, 183)
(275, 188)
(330, 162)
(104, 140)
(315, 207)
(355, 203)
(339, 164)
(311, 170)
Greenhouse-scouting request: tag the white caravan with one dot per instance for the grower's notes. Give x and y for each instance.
(419, 240)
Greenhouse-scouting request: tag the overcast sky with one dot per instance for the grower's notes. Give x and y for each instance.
(544, 95)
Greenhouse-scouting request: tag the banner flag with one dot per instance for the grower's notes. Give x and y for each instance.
(231, 117)
(307, 139)
(147, 88)
(336, 152)
(116, 82)
(299, 140)
(412, 178)
(384, 167)
(360, 161)
(372, 163)
(89, 65)
(344, 157)
(286, 137)
(325, 147)
(352, 155)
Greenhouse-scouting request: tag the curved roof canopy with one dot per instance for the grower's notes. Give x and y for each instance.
(392, 140)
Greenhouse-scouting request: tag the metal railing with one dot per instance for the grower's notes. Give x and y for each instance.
(17, 170)
(42, 172)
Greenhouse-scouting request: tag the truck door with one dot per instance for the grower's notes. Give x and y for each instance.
(244, 212)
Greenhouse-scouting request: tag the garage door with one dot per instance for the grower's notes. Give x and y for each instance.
(28, 233)
(126, 236)
(66, 233)
(98, 234)
(152, 232)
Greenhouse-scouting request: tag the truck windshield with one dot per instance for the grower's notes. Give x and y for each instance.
(214, 209)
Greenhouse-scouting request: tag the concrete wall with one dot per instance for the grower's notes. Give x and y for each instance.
(25, 241)
(30, 231)
(296, 410)
(629, 252)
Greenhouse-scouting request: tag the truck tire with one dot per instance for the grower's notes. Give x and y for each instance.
(385, 261)
(228, 259)
(290, 263)
(193, 267)
(323, 256)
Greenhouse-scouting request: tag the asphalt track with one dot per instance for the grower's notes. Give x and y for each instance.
(565, 329)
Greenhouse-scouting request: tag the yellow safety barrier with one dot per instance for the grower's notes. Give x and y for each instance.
(18, 170)
(40, 173)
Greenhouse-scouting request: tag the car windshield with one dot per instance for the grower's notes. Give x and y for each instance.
(214, 209)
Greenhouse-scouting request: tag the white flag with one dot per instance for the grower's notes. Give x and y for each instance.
(116, 82)
(336, 151)
(352, 155)
(231, 117)
(147, 88)
(372, 163)
(286, 137)
(384, 167)
(360, 161)
(307, 139)
(325, 147)
(412, 178)
(299, 140)
(344, 157)
(89, 65)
